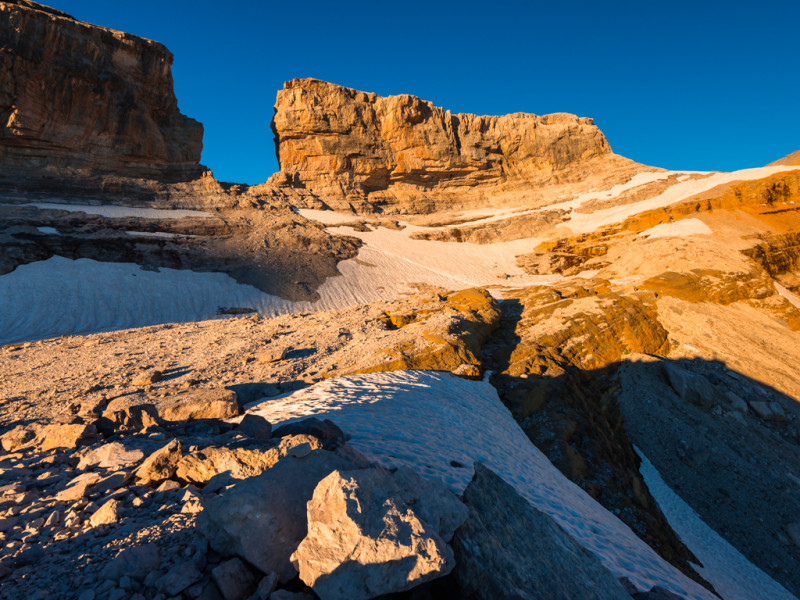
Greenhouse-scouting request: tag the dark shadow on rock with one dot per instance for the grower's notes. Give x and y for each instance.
(713, 434)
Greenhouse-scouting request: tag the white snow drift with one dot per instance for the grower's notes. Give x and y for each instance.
(439, 424)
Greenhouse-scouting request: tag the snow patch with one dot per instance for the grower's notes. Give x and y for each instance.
(432, 422)
(793, 298)
(732, 575)
(60, 296)
(680, 228)
(48, 230)
(586, 223)
(112, 210)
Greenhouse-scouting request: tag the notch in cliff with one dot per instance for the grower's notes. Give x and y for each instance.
(356, 149)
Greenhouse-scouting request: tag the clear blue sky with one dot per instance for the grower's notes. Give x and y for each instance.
(677, 84)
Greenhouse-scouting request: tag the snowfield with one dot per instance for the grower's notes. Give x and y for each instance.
(115, 211)
(439, 424)
(731, 574)
(62, 297)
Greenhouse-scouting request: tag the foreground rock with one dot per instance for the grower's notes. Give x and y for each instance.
(263, 519)
(507, 549)
(371, 532)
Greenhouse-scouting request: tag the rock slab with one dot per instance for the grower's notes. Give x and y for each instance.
(507, 549)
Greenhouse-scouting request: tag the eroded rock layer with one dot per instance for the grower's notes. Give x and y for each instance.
(359, 150)
(79, 101)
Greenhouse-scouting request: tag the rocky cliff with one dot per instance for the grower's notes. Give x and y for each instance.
(79, 102)
(350, 148)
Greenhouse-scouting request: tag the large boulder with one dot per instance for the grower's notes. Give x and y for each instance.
(200, 404)
(113, 455)
(507, 549)
(160, 465)
(239, 463)
(371, 532)
(689, 386)
(67, 435)
(263, 519)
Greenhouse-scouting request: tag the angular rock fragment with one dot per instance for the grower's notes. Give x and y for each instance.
(17, 438)
(113, 455)
(263, 519)
(160, 465)
(769, 411)
(148, 378)
(234, 579)
(106, 514)
(371, 532)
(327, 431)
(507, 549)
(67, 436)
(128, 418)
(689, 386)
(136, 563)
(200, 404)
(255, 427)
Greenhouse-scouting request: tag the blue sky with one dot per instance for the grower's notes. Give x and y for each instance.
(678, 84)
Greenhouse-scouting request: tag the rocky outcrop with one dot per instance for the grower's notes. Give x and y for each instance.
(77, 96)
(491, 554)
(90, 112)
(372, 532)
(359, 150)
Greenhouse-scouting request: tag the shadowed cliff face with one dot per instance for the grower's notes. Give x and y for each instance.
(340, 143)
(75, 96)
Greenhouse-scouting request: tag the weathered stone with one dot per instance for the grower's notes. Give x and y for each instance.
(255, 427)
(656, 593)
(200, 466)
(77, 487)
(17, 438)
(200, 404)
(106, 514)
(326, 431)
(265, 587)
(371, 532)
(769, 411)
(67, 436)
(111, 482)
(134, 129)
(128, 418)
(136, 563)
(147, 378)
(736, 403)
(168, 486)
(262, 519)
(160, 465)
(350, 147)
(689, 386)
(234, 579)
(270, 355)
(179, 577)
(113, 455)
(468, 371)
(508, 549)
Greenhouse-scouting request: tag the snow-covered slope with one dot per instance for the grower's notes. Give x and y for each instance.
(439, 424)
(731, 574)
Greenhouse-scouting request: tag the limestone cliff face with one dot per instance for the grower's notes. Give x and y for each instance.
(340, 143)
(78, 99)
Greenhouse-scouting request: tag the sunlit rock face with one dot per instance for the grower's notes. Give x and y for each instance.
(400, 152)
(79, 100)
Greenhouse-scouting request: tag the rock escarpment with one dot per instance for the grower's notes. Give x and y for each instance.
(84, 108)
(359, 150)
